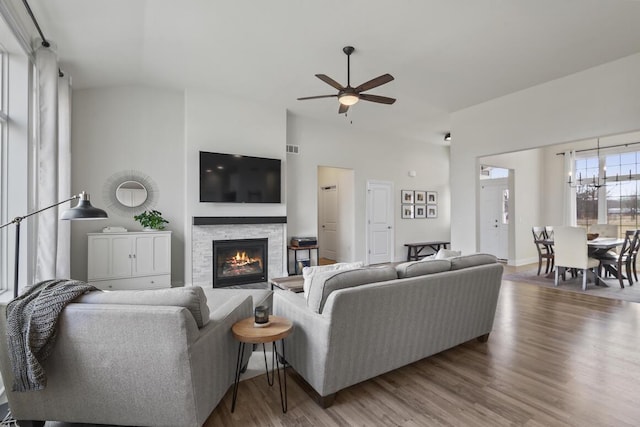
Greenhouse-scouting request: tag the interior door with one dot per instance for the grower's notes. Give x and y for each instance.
(494, 221)
(328, 235)
(380, 218)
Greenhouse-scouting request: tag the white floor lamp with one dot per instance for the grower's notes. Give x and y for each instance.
(83, 210)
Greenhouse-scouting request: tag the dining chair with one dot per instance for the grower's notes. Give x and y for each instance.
(635, 247)
(570, 246)
(614, 262)
(544, 251)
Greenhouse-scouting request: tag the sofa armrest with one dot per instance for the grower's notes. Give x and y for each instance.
(214, 354)
(111, 360)
(306, 348)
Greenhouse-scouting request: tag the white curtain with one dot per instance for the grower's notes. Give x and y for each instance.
(570, 205)
(52, 167)
(63, 261)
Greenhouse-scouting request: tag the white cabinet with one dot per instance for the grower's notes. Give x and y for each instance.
(129, 260)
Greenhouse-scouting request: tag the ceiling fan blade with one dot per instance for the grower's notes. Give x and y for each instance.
(317, 97)
(378, 81)
(377, 98)
(343, 109)
(328, 80)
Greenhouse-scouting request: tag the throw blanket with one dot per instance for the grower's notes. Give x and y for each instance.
(31, 328)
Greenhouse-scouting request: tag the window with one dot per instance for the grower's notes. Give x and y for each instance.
(609, 194)
(15, 80)
(4, 276)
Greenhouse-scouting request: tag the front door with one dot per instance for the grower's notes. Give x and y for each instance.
(380, 219)
(494, 221)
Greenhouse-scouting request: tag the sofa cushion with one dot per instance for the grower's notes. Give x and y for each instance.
(190, 297)
(466, 261)
(322, 284)
(422, 267)
(309, 272)
(447, 254)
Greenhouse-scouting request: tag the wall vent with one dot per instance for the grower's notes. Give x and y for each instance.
(293, 149)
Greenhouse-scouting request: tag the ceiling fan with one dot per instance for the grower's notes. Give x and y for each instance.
(348, 95)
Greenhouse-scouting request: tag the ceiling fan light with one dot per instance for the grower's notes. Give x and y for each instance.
(348, 99)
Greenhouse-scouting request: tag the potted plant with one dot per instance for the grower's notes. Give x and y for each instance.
(151, 220)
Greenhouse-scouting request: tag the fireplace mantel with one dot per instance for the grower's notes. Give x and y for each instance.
(218, 220)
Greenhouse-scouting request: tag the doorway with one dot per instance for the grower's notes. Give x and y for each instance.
(494, 212)
(328, 219)
(336, 215)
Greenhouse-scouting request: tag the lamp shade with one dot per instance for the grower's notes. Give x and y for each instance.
(83, 210)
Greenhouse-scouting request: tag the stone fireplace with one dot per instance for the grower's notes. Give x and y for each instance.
(206, 230)
(239, 261)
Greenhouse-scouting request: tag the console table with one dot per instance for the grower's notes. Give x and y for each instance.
(297, 267)
(290, 283)
(414, 250)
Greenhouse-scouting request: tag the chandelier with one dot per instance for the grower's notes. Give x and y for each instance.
(595, 181)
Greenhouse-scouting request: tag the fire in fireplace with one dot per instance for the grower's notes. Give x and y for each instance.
(237, 262)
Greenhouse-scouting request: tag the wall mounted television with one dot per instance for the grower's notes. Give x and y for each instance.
(231, 178)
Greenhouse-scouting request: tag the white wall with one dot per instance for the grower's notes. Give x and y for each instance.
(218, 123)
(371, 156)
(603, 100)
(116, 129)
(160, 132)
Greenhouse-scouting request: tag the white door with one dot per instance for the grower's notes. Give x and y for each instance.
(494, 220)
(328, 236)
(380, 218)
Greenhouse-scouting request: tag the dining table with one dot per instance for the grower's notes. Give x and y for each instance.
(603, 243)
(600, 244)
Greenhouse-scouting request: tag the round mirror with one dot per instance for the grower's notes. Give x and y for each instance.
(131, 194)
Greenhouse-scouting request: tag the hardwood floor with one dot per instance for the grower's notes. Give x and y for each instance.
(553, 358)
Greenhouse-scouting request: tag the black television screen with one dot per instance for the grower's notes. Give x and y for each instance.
(239, 179)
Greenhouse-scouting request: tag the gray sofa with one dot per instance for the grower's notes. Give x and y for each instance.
(145, 358)
(356, 324)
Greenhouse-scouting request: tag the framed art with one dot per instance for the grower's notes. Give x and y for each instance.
(420, 197)
(420, 211)
(407, 211)
(407, 196)
(432, 211)
(432, 197)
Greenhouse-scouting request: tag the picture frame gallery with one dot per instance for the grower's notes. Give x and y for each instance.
(417, 204)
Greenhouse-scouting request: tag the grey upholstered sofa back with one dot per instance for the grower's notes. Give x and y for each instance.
(366, 330)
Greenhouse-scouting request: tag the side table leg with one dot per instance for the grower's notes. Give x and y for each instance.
(283, 400)
(237, 375)
(266, 366)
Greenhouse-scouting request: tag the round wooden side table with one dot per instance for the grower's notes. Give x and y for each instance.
(247, 333)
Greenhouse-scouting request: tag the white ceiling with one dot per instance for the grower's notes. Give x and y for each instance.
(444, 54)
